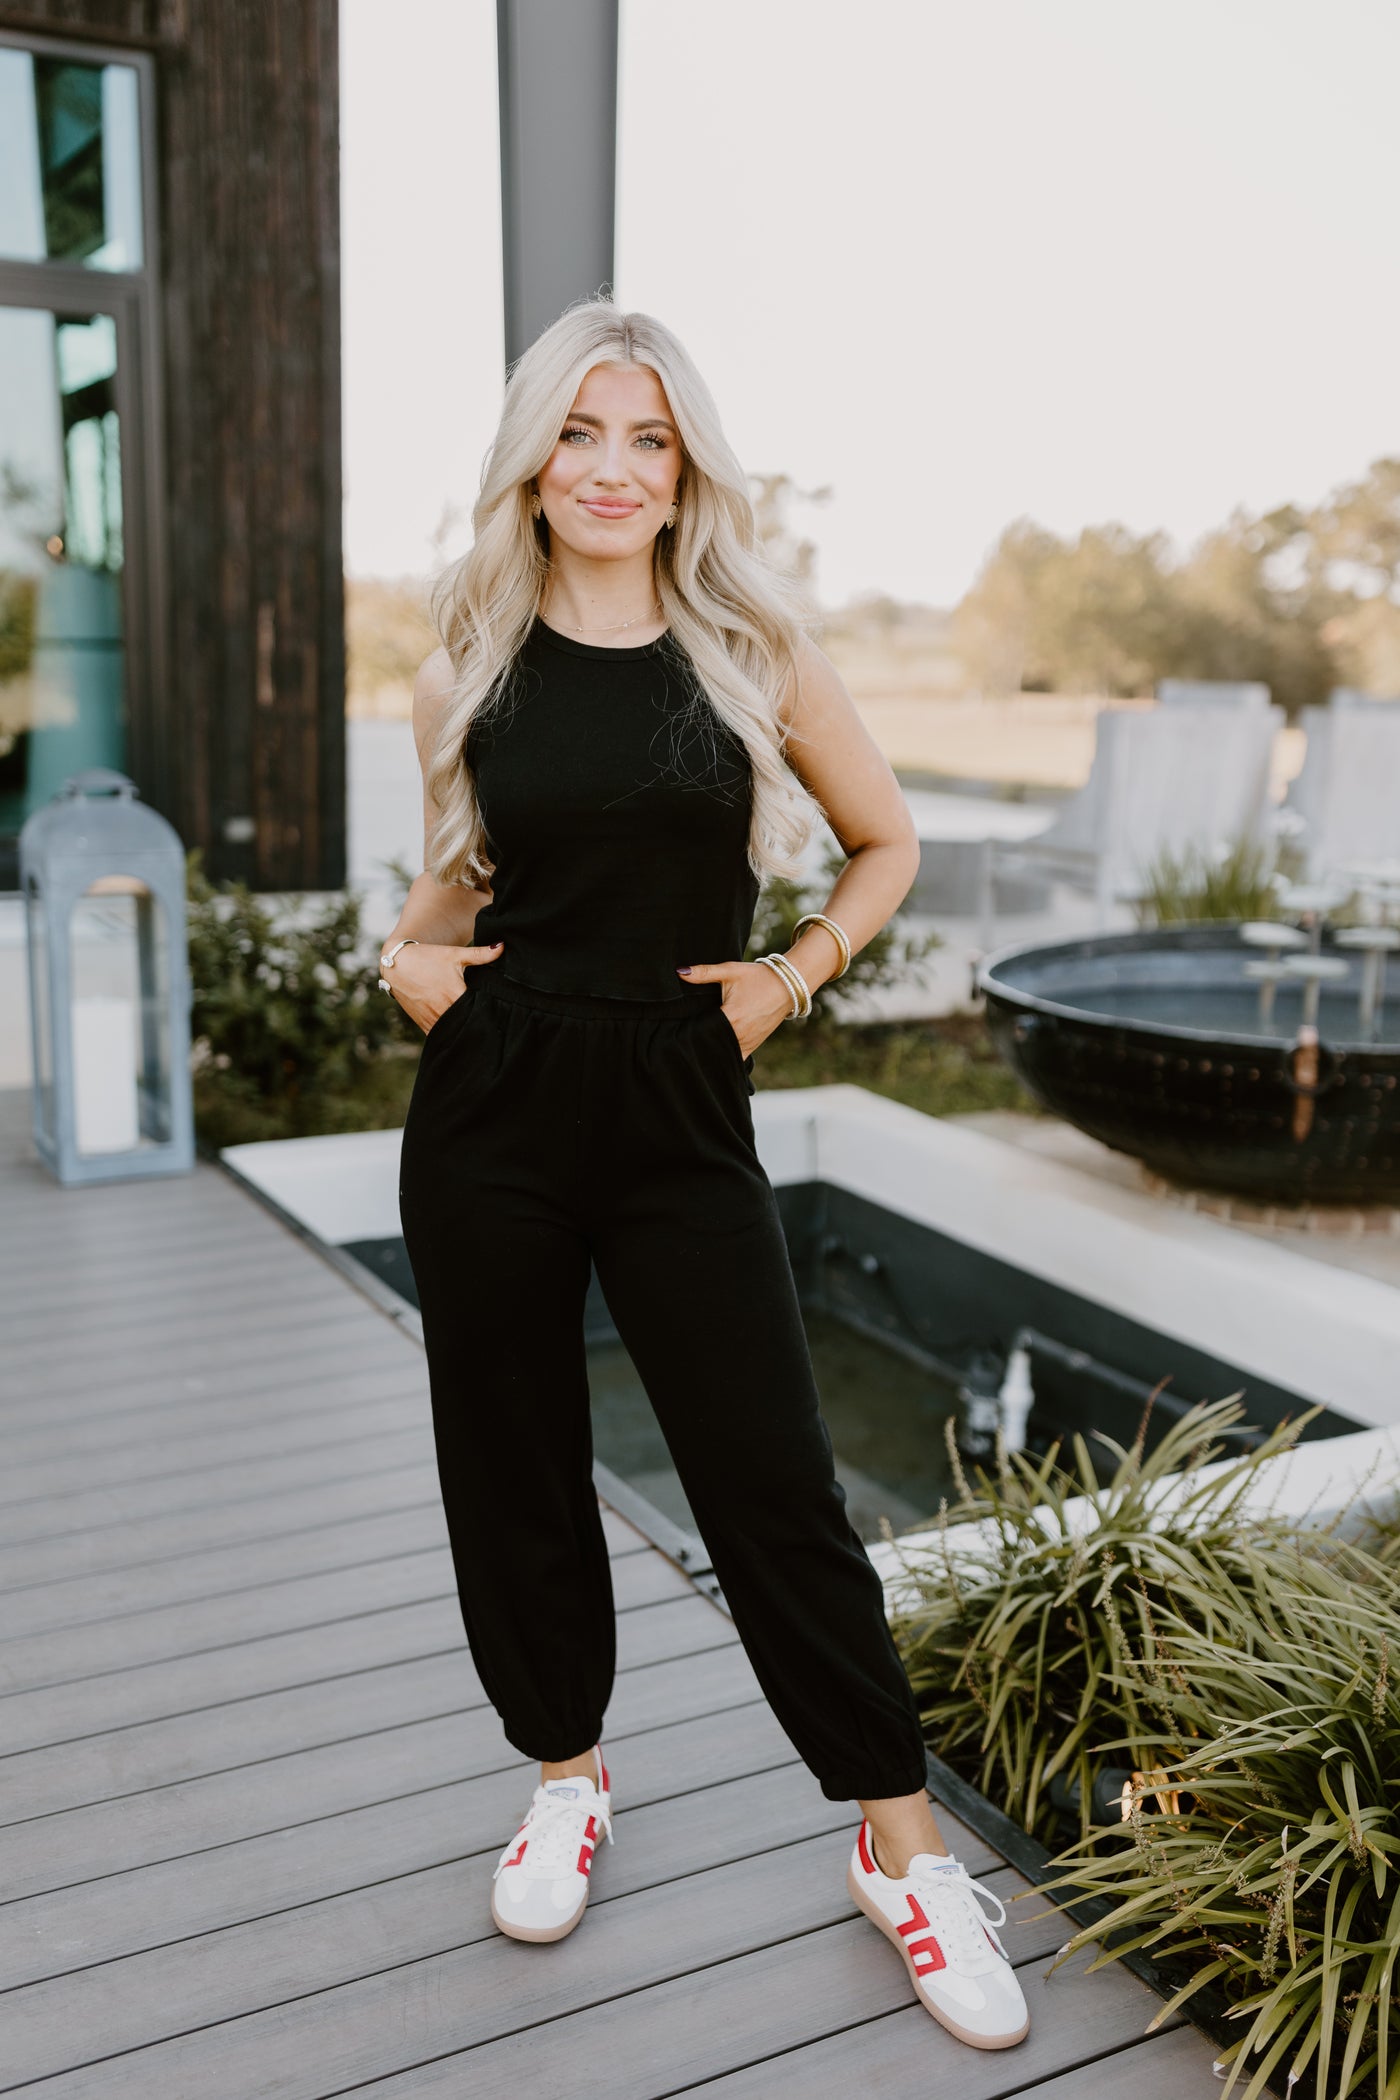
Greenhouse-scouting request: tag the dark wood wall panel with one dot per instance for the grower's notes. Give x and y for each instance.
(252, 722)
(250, 145)
(106, 21)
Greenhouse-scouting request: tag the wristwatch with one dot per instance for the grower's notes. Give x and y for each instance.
(386, 960)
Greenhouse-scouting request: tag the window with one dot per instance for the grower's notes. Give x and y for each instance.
(79, 562)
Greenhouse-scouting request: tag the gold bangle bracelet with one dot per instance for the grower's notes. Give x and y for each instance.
(802, 985)
(819, 918)
(771, 962)
(796, 982)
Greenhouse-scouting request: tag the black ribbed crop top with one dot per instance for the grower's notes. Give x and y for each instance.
(616, 807)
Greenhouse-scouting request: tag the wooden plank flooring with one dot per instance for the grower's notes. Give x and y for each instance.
(251, 1791)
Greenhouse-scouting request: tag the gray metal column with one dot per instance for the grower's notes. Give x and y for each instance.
(558, 80)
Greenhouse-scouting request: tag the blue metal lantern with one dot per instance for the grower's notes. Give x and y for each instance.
(103, 879)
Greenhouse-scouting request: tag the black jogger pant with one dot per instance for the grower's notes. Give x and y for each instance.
(546, 1128)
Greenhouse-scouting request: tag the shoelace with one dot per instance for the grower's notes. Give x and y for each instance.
(962, 1921)
(553, 1827)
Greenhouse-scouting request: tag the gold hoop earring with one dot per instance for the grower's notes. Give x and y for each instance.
(672, 514)
(536, 507)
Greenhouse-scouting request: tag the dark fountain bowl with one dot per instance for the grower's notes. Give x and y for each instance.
(1153, 1043)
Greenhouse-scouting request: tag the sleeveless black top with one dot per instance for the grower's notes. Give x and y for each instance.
(616, 807)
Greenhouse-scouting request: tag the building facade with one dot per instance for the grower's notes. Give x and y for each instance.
(171, 598)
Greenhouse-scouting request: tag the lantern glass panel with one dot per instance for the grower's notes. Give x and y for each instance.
(41, 993)
(120, 1006)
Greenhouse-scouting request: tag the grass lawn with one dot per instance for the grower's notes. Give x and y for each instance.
(945, 1067)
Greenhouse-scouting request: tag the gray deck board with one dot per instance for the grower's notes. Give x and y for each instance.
(127, 1502)
(240, 1670)
(169, 1461)
(1076, 2019)
(194, 1626)
(308, 1720)
(191, 1422)
(156, 1585)
(128, 1383)
(252, 1789)
(273, 1515)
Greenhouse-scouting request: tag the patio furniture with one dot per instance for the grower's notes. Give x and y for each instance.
(1345, 798)
(956, 837)
(1210, 692)
(1179, 776)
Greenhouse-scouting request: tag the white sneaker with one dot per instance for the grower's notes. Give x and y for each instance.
(540, 1885)
(959, 1967)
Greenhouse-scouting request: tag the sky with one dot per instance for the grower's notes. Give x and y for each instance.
(1062, 259)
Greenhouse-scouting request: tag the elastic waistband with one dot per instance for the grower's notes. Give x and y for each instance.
(485, 980)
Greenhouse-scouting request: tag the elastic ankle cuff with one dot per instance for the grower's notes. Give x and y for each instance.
(874, 1786)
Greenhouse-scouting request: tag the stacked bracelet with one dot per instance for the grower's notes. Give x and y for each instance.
(796, 984)
(819, 918)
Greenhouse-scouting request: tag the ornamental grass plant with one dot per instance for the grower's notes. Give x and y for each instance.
(1240, 1673)
(1046, 1577)
(1277, 1882)
(1182, 889)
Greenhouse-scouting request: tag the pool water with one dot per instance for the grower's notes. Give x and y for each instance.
(885, 1414)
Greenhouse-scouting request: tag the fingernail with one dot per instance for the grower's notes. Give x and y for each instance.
(684, 969)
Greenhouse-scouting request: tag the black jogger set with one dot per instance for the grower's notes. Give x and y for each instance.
(550, 1128)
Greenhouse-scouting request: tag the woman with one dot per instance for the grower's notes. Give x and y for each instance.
(624, 729)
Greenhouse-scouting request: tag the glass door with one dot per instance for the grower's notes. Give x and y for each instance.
(78, 561)
(62, 552)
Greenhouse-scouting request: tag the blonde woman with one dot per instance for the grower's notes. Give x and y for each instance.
(624, 729)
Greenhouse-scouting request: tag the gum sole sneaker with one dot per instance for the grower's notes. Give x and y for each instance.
(540, 1886)
(958, 1966)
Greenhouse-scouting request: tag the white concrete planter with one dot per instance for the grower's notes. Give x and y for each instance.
(1330, 1335)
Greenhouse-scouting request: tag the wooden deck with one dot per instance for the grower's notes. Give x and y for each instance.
(252, 1791)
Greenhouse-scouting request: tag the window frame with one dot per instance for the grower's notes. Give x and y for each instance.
(133, 300)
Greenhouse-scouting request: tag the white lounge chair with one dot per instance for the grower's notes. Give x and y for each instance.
(1182, 775)
(1347, 795)
(1209, 692)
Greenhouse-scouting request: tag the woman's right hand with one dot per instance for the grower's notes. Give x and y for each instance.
(427, 978)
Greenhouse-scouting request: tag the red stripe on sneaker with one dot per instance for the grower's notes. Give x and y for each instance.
(585, 1859)
(518, 1854)
(590, 1829)
(916, 1922)
(864, 1850)
(926, 1956)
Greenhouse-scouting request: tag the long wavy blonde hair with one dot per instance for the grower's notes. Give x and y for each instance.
(736, 616)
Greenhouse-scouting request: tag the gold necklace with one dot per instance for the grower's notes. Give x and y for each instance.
(621, 625)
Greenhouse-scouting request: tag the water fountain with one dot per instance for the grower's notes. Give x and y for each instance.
(1260, 1059)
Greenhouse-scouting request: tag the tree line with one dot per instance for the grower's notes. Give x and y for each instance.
(1303, 599)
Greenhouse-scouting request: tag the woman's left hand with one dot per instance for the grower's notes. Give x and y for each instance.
(754, 1000)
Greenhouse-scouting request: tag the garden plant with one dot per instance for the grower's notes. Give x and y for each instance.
(1161, 1650)
(1188, 887)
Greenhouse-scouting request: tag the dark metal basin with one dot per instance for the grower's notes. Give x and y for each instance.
(1151, 1042)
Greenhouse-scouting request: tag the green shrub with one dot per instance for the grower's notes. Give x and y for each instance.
(290, 1034)
(884, 960)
